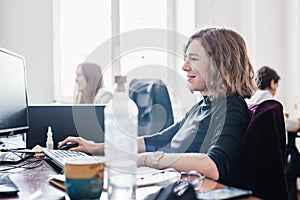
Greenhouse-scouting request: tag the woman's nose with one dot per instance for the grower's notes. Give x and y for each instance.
(186, 66)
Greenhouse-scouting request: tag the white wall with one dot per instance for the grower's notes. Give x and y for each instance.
(277, 45)
(271, 31)
(26, 29)
(270, 28)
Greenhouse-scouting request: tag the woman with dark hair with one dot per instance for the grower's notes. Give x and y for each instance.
(90, 85)
(267, 81)
(209, 137)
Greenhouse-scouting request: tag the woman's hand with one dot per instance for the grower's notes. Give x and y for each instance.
(84, 145)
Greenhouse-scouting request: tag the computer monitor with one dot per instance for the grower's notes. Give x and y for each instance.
(13, 101)
(82, 120)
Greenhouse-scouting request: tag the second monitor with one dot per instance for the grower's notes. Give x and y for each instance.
(86, 121)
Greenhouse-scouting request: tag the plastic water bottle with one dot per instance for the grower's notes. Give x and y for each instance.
(121, 143)
(49, 142)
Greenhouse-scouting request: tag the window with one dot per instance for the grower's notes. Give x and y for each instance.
(134, 19)
(81, 26)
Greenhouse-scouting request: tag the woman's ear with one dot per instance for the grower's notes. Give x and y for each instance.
(272, 84)
(273, 87)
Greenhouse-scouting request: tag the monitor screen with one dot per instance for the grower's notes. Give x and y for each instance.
(13, 101)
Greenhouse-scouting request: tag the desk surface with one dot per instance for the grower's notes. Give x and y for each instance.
(33, 184)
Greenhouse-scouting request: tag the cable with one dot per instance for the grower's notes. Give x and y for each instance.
(23, 165)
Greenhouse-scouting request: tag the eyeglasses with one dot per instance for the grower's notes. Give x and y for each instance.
(188, 179)
(194, 178)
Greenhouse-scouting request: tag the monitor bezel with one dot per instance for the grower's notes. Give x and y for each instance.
(21, 129)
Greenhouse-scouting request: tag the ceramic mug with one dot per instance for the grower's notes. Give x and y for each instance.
(84, 177)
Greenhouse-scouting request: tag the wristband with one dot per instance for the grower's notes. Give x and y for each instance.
(153, 159)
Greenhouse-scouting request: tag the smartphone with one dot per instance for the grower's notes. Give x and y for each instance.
(224, 193)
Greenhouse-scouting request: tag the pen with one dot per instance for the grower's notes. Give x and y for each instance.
(153, 174)
(158, 172)
(17, 149)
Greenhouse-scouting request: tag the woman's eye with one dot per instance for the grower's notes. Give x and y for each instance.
(193, 58)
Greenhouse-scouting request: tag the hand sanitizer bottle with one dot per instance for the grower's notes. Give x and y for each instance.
(121, 143)
(49, 143)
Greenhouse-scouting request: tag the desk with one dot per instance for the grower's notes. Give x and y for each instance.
(33, 185)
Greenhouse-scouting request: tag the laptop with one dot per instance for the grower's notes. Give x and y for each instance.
(82, 120)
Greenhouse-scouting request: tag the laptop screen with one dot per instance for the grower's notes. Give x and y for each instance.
(82, 120)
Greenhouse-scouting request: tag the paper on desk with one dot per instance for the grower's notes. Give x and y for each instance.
(148, 176)
(37, 149)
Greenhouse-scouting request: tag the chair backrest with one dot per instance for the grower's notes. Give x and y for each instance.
(261, 165)
(152, 99)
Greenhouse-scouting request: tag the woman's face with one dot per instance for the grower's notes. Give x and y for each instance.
(80, 79)
(273, 87)
(196, 65)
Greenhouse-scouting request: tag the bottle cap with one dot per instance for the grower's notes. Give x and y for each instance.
(49, 133)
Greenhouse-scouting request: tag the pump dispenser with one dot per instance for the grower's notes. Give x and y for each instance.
(49, 143)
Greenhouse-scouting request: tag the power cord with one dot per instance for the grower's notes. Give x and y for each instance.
(23, 165)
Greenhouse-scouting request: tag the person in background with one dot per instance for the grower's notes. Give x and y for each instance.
(209, 137)
(267, 81)
(89, 78)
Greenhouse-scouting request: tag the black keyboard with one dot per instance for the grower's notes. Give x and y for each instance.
(60, 156)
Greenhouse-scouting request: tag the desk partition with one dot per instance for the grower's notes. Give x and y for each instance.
(86, 121)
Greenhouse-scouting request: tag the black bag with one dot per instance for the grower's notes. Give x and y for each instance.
(293, 161)
(174, 191)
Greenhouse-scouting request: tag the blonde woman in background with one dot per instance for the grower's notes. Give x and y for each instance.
(89, 78)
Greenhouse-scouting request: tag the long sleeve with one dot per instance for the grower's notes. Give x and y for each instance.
(227, 140)
(103, 96)
(163, 140)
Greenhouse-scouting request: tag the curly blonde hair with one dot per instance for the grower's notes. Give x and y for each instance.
(230, 70)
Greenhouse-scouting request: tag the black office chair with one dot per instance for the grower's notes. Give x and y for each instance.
(152, 99)
(262, 161)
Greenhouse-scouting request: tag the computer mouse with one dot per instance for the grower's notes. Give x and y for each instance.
(68, 146)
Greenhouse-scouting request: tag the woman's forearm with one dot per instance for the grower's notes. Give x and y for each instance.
(181, 162)
(191, 161)
(98, 149)
(141, 145)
